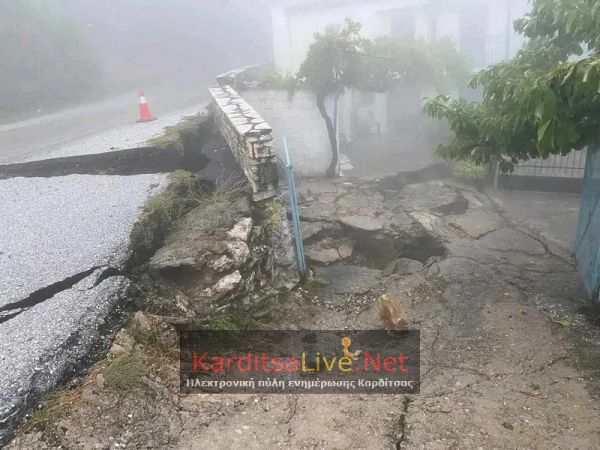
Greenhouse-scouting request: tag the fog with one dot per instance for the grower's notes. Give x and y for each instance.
(63, 52)
(172, 41)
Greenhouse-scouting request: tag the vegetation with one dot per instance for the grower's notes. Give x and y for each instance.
(44, 58)
(544, 101)
(124, 373)
(175, 137)
(343, 59)
(185, 192)
(227, 189)
(53, 408)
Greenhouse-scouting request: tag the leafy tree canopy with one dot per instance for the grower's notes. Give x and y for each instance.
(544, 101)
(341, 59)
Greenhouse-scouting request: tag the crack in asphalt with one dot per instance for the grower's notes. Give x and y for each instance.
(7, 312)
(134, 161)
(402, 423)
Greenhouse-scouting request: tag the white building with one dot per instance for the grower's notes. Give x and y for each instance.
(482, 29)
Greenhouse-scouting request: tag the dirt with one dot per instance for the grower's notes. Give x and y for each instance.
(510, 352)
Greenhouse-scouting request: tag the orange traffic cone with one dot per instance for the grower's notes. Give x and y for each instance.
(145, 114)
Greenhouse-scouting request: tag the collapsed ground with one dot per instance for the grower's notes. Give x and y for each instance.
(510, 353)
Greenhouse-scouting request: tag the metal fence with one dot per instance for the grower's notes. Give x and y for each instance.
(554, 174)
(568, 166)
(587, 244)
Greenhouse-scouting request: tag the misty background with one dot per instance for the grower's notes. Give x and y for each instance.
(55, 53)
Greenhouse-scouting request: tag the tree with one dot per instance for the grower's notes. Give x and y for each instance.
(332, 65)
(539, 103)
(342, 59)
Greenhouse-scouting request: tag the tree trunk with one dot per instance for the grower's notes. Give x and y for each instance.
(321, 95)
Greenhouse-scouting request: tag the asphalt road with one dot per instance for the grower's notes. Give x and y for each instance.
(64, 239)
(105, 124)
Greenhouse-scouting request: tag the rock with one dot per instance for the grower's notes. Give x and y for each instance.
(403, 266)
(141, 323)
(365, 223)
(345, 250)
(329, 250)
(99, 380)
(310, 230)
(434, 196)
(183, 304)
(227, 284)
(322, 255)
(201, 238)
(392, 314)
(239, 252)
(222, 264)
(122, 344)
(116, 350)
(241, 230)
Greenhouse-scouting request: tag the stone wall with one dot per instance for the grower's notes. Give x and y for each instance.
(249, 138)
(296, 117)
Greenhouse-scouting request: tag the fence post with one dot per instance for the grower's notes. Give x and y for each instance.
(295, 212)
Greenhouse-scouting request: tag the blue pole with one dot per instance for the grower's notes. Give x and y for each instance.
(295, 212)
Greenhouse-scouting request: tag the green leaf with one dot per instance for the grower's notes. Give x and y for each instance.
(595, 10)
(543, 131)
(586, 73)
(571, 17)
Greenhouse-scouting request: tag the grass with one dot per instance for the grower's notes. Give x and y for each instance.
(54, 407)
(274, 210)
(124, 373)
(177, 199)
(227, 189)
(173, 137)
(184, 193)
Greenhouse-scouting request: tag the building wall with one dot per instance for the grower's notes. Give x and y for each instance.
(297, 118)
(294, 29)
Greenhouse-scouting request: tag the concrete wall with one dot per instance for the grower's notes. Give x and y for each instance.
(297, 118)
(249, 138)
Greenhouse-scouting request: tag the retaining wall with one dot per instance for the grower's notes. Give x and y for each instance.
(249, 138)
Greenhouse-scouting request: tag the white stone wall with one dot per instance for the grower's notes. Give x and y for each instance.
(249, 138)
(297, 118)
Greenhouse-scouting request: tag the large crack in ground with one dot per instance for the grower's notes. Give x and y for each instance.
(135, 161)
(180, 147)
(12, 310)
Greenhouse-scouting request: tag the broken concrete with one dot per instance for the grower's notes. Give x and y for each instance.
(345, 220)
